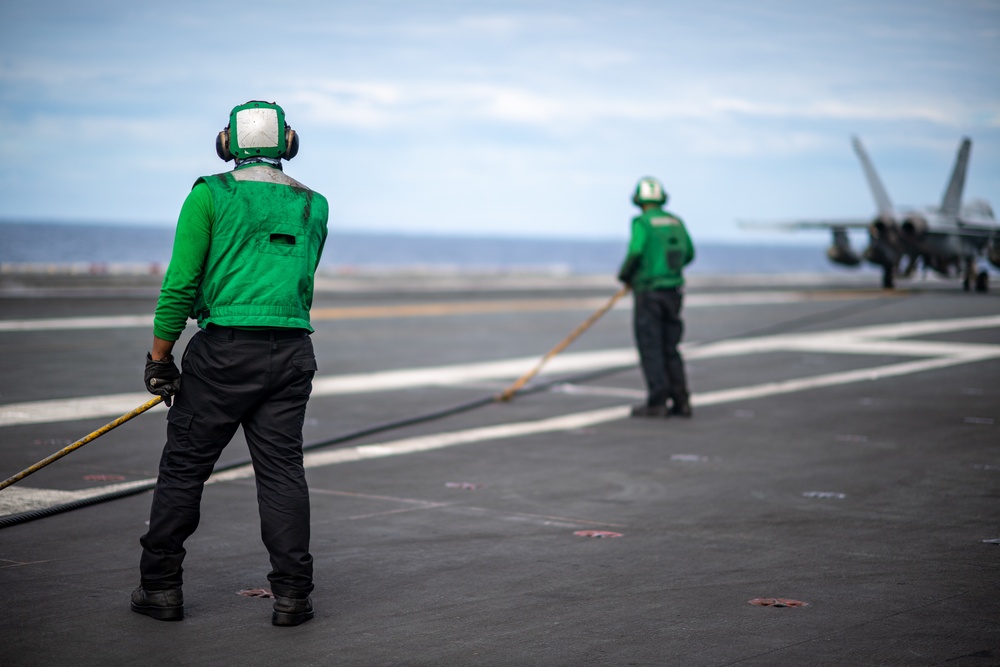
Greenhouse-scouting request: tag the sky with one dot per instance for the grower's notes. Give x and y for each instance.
(531, 118)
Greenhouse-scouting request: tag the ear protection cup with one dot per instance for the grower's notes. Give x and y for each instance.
(291, 143)
(222, 145)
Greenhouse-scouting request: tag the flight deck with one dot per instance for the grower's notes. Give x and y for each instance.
(833, 500)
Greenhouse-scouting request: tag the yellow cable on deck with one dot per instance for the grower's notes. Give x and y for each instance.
(509, 392)
(80, 443)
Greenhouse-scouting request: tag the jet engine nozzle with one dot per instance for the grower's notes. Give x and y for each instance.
(914, 227)
(883, 228)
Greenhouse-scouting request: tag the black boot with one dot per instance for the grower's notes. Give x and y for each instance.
(165, 605)
(680, 408)
(650, 411)
(291, 611)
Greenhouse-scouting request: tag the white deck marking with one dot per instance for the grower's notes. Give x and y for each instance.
(71, 409)
(438, 309)
(830, 380)
(591, 390)
(21, 499)
(462, 373)
(78, 323)
(878, 340)
(114, 405)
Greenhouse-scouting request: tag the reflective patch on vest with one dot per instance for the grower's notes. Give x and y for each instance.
(282, 240)
(266, 175)
(675, 260)
(664, 221)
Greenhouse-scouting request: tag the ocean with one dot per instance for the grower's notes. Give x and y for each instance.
(346, 251)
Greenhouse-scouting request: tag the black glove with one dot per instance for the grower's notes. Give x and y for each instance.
(162, 377)
(628, 271)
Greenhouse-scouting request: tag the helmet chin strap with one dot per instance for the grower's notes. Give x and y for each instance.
(260, 159)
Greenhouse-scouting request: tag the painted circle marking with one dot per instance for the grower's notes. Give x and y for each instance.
(597, 533)
(777, 602)
(255, 593)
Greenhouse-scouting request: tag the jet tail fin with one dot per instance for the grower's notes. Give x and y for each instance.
(951, 204)
(874, 183)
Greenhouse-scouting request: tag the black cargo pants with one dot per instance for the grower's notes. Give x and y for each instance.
(658, 329)
(261, 380)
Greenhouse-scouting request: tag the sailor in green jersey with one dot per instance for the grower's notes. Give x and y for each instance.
(247, 245)
(659, 250)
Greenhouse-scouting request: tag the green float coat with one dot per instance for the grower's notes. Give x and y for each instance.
(245, 252)
(658, 252)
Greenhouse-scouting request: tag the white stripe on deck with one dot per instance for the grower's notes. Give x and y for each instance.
(432, 310)
(21, 499)
(88, 407)
(881, 340)
(78, 323)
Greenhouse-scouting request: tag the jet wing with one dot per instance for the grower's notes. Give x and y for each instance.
(967, 229)
(792, 225)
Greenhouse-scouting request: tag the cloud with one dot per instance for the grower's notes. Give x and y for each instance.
(406, 104)
(942, 112)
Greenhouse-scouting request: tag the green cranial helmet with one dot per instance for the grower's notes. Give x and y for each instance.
(257, 129)
(649, 191)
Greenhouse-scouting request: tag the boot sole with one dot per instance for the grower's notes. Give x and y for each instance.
(160, 613)
(286, 619)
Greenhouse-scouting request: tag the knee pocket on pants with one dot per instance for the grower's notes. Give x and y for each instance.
(179, 423)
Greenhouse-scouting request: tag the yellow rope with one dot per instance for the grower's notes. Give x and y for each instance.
(80, 443)
(509, 392)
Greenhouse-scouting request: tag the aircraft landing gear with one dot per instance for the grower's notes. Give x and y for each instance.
(972, 278)
(888, 277)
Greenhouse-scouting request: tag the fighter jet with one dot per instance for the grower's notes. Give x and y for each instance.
(950, 239)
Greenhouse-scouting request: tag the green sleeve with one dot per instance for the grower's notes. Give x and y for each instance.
(634, 255)
(187, 264)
